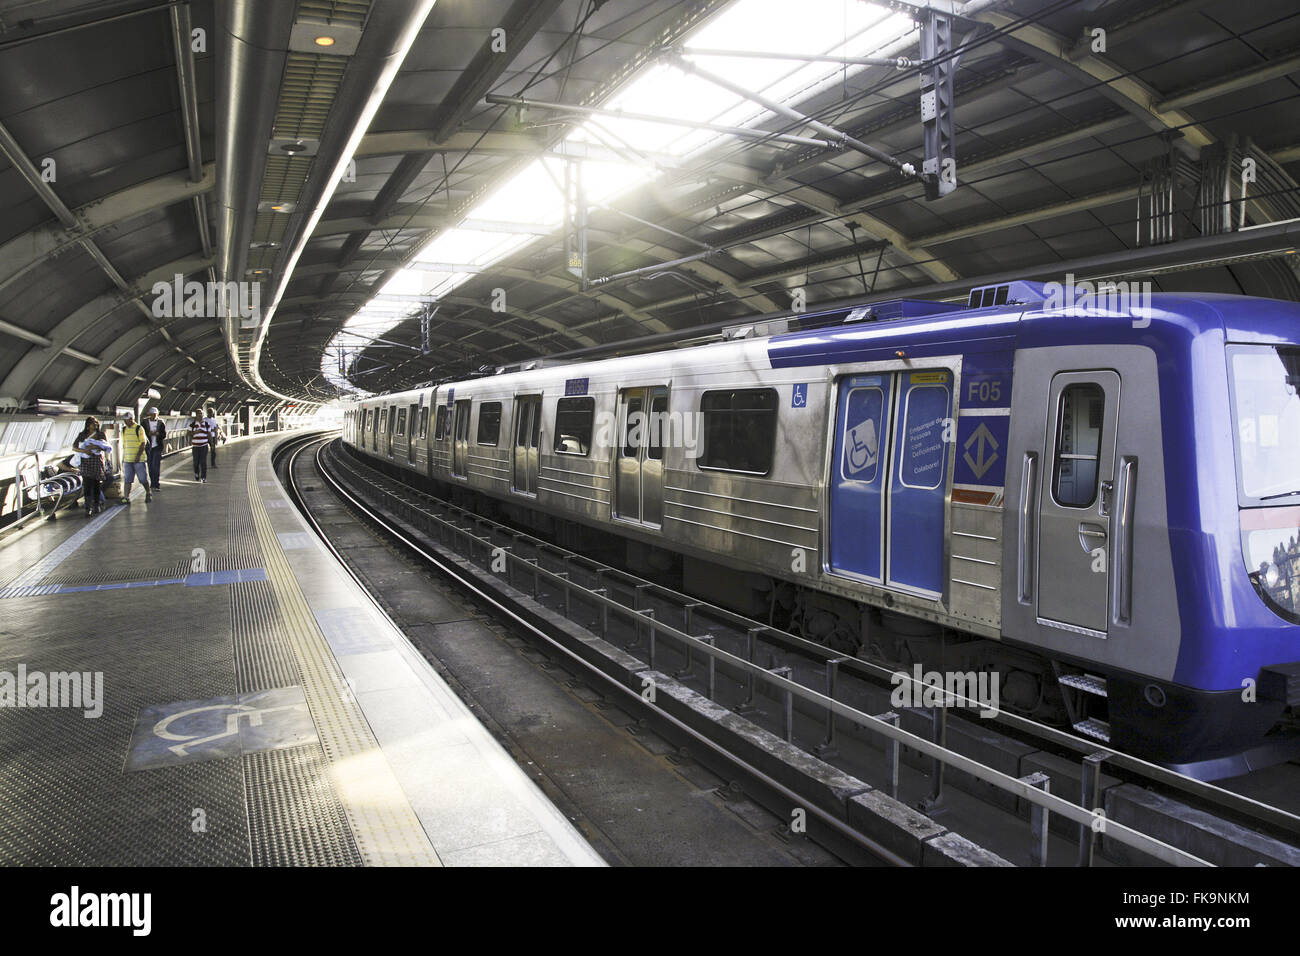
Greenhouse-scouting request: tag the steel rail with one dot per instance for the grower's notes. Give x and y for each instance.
(1050, 802)
(1225, 800)
(842, 829)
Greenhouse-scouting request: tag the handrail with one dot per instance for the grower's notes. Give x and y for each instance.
(1123, 547)
(1027, 533)
(20, 483)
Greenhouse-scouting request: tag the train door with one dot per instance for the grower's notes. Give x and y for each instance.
(888, 484)
(1074, 498)
(390, 430)
(399, 432)
(918, 491)
(460, 440)
(858, 471)
(528, 431)
(639, 476)
(441, 435)
(414, 419)
(425, 413)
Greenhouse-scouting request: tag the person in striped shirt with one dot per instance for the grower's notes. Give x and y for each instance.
(200, 436)
(214, 433)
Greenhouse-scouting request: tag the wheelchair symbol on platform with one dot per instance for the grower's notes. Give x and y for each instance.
(237, 712)
(862, 447)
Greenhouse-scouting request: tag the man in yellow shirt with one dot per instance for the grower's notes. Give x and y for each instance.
(135, 449)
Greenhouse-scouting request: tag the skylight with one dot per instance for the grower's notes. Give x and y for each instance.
(629, 149)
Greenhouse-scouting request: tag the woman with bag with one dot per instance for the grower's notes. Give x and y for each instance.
(95, 501)
(92, 451)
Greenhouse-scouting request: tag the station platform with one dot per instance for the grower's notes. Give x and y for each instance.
(196, 681)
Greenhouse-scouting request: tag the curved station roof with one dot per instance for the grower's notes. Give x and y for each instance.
(304, 200)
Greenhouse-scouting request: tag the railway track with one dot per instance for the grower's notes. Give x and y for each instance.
(741, 832)
(833, 709)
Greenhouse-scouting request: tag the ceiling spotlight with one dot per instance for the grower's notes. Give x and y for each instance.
(295, 147)
(324, 41)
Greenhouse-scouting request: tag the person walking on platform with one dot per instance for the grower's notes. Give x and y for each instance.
(215, 434)
(199, 440)
(156, 431)
(92, 451)
(134, 447)
(92, 426)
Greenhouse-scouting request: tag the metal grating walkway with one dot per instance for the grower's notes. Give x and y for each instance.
(69, 786)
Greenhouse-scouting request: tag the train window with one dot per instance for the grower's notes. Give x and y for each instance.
(489, 423)
(462, 420)
(921, 456)
(424, 422)
(1266, 406)
(401, 423)
(630, 423)
(573, 418)
(390, 427)
(739, 430)
(440, 426)
(1078, 445)
(864, 421)
(658, 417)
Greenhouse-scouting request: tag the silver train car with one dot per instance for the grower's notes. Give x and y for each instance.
(1071, 499)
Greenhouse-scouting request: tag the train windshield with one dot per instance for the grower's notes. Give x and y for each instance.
(1266, 397)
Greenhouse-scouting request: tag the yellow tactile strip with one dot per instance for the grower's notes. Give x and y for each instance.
(385, 827)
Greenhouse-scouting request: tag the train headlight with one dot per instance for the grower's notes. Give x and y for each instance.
(1271, 575)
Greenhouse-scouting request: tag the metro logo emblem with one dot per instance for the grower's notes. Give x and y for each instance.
(983, 442)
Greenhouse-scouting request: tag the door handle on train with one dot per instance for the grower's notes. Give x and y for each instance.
(1028, 537)
(1091, 536)
(1122, 559)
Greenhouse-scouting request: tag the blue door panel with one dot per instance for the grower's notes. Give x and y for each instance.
(858, 470)
(918, 485)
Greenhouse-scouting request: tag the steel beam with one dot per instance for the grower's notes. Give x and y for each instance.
(1108, 198)
(1271, 70)
(21, 254)
(743, 132)
(36, 361)
(1119, 85)
(835, 136)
